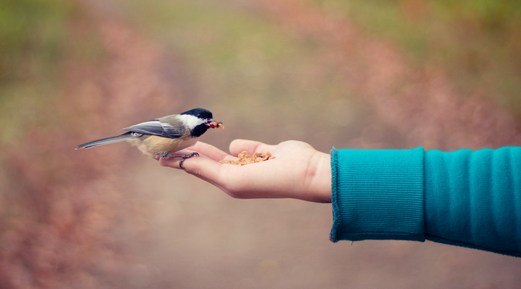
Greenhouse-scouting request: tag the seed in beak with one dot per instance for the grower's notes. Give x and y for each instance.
(215, 124)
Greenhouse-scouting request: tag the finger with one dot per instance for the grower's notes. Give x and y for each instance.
(239, 145)
(202, 167)
(209, 151)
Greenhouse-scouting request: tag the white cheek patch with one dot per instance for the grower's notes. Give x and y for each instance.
(190, 121)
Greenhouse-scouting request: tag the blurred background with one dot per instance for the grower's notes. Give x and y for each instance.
(368, 74)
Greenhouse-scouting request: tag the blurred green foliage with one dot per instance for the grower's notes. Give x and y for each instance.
(31, 33)
(32, 40)
(476, 42)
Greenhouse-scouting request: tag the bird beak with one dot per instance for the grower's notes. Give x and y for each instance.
(211, 123)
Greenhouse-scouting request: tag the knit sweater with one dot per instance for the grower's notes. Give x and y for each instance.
(466, 198)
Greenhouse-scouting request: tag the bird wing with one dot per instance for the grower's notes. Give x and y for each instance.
(158, 128)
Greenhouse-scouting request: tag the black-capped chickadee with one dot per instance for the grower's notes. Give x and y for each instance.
(161, 137)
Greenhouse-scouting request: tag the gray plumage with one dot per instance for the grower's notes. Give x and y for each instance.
(107, 140)
(162, 136)
(169, 127)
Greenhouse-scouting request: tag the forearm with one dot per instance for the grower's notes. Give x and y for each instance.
(473, 198)
(464, 198)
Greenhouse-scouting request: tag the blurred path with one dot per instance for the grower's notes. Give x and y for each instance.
(417, 103)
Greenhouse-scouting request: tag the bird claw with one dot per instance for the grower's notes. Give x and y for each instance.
(168, 155)
(185, 157)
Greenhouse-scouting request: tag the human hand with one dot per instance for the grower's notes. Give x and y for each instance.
(296, 170)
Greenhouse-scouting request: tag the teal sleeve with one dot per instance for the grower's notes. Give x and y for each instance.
(465, 198)
(377, 194)
(473, 198)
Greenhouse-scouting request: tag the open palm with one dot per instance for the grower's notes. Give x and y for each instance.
(296, 170)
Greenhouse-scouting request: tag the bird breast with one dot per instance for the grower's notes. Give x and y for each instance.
(155, 145)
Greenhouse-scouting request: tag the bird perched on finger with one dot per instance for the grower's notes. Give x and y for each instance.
(162, 137)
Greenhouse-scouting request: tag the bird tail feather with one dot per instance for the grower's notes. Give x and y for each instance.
(104, 141)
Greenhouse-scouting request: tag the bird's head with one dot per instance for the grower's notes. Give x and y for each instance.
(199, 120)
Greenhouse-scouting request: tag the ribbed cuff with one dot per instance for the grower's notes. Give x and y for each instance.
(377, 194)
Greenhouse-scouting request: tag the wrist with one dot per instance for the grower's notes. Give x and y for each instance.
(320, 185)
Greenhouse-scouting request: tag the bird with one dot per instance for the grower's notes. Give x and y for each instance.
(162, 137)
